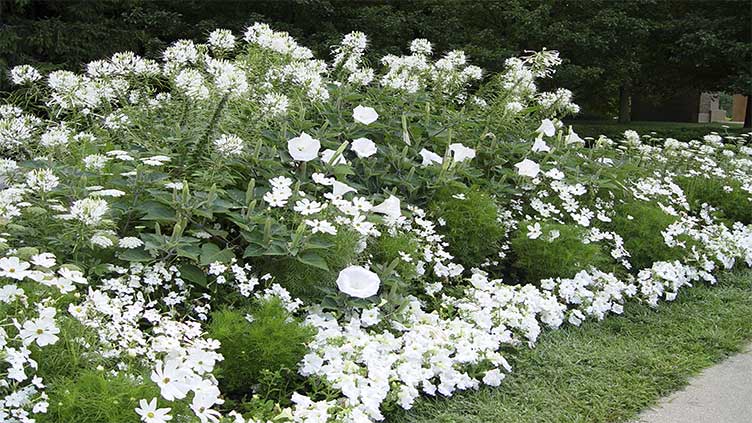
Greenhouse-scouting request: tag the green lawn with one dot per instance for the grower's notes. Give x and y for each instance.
(608, 371)
(683, 131)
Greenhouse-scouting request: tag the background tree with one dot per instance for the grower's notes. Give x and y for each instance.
(612, 49)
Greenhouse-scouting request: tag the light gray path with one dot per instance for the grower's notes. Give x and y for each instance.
(721, 394)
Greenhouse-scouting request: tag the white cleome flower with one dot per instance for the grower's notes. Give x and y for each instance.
(365, 115)
(358, 282)
(363, 147)
(303, 148)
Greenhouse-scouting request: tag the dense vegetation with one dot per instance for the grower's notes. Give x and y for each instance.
(240, 231)
(612, 49)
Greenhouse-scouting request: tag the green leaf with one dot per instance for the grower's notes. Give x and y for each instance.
(135, 254)
(157, 211)
(193, 274)
(314, 260)
(210, 253)
(254, 250)
(189, 251)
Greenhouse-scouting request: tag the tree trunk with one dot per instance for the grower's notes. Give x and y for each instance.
(625, 104)
(748, 113)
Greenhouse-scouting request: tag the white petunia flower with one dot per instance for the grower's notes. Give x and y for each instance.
(365, 115)
(303, 148)
(363, 147)
(546, 128)
(528, 168)
(460, 153)
(390, 207)
(358, 282)
(429, 157)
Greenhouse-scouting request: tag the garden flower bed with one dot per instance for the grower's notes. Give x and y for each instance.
(244, 233)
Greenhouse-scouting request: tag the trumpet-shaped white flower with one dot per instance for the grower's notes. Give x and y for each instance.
(460, 152)
(303, 148)
(540, 146)
(358, 282)
(363, 147)
(547, 128)
(390, 207)
(528, 168)
(429, 157)
(365, 115)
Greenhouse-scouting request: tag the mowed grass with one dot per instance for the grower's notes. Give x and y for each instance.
(608, 371)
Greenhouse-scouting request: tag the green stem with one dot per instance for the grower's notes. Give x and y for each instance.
(201, 146)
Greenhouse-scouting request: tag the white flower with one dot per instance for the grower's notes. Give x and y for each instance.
(303, 148)
(101, 240)
(42, 180)
(41, 330)
(365, 115)
(222, 39)
(151, 414)
(130, 242)
(546, 128)
(321, 226)
(46, 260)
(90, 211)
(328, 154)
(13, 267)
(390, 207)
(534, 231)
(24, 74)
(540, 146)
(229, 145)
(358, 282)
(363, 147)
(528, 168)
(429, 157)
(307, 207)
(573, 138)
(460, 153)
(493, 377)
(171, 379)
(339, 189)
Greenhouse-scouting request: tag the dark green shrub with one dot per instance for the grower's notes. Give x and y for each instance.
(472, 228)
(734, 205)
(273, 341)
(549, 256)
(303, 280)
(387, 248)
(640, 225)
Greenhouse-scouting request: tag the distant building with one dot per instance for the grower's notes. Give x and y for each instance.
(689, 105)
(739, 109)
